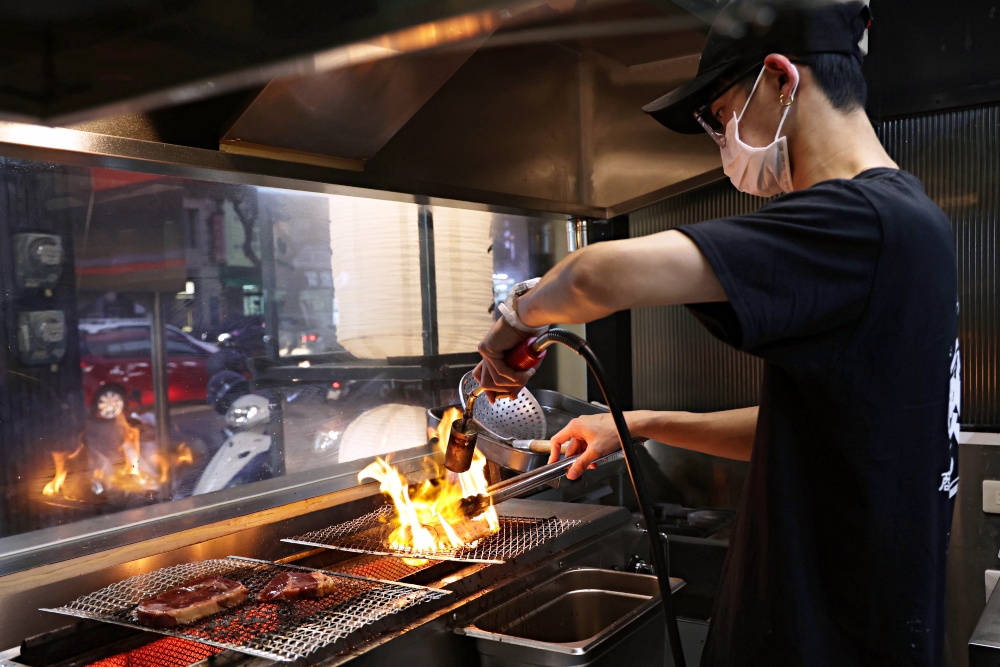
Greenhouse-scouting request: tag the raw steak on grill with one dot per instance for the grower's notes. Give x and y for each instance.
(297, 586)
(191, 602)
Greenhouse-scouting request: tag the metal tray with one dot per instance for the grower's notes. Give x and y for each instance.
(580, 617)
(559, 409)
(274, 630)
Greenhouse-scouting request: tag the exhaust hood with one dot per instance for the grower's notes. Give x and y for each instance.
(532, 105)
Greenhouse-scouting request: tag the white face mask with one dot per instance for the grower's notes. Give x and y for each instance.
(765, 171)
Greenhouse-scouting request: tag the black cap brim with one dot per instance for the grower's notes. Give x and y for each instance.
(675, 110)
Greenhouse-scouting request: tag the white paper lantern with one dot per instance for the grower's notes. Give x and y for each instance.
(464, 277)
(376, 268)
(376, 276)
(388, 428)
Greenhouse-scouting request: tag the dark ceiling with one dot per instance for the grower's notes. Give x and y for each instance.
(65, 61)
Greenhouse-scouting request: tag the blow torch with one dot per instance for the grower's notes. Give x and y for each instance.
(462, 441)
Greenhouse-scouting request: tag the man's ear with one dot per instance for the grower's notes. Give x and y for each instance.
(787, 73)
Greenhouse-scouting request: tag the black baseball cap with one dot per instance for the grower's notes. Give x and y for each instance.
(747, 31)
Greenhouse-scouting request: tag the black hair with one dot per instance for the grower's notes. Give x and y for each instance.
(837, 74)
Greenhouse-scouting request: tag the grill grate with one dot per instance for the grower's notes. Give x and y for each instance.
(369, 534)
(380, 567)
(273, 630)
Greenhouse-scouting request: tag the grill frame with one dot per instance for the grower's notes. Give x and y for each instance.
(526, 533)
(331, 621)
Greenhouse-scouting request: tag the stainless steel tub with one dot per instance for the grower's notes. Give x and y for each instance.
(583, 616)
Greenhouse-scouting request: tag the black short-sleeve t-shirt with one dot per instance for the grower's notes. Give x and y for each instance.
(847, 290)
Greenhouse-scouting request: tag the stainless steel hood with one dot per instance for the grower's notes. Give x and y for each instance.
(545, 109)
(535, 104)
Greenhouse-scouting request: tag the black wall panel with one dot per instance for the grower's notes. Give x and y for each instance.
(676, 363)
(956, 154)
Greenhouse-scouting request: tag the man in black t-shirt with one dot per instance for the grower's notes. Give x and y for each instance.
(845, 285)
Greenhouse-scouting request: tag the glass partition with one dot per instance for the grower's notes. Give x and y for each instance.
(168, 339)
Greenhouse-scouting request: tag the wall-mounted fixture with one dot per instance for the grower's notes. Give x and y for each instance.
(38, 260)
(41, 336)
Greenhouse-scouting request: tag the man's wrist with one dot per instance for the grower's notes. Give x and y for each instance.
(509, 309)
(522, 306)
(511, 317)
(648, 423)
(637, 421)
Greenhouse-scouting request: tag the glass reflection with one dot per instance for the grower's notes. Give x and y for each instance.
(135, 295)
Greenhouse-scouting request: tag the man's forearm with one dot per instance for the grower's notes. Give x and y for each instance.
(656, 270)
(562, 295)
(728, 434)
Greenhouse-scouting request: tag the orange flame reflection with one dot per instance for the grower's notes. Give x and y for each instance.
(429, 517)
(59, 458)
(136, 472)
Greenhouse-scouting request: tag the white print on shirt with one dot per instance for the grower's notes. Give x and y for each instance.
(949, 485)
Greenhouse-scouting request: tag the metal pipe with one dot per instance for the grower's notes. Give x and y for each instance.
(577, 233)
(571, 244)
(428, 281)
(161, 383)
(269, 283)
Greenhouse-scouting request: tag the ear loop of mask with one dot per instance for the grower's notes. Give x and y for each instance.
(795, 89)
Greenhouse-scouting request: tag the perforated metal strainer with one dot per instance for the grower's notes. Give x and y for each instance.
(506, 420)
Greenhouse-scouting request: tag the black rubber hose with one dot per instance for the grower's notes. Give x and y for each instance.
(656, 544)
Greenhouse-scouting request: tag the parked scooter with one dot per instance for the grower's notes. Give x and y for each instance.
(245, 456)
(224, 388)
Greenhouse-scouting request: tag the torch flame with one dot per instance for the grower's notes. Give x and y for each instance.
(429, 517)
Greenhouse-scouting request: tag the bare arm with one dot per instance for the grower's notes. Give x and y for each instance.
(656, 270)
(728, 434)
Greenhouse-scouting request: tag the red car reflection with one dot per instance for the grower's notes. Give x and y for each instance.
(116, 360)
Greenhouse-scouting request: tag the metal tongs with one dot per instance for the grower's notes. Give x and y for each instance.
(511, 488)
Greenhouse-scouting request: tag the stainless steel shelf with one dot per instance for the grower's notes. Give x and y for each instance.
(449, 367)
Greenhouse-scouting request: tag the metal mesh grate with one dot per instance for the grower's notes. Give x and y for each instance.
(381, 567)
(369, 535)
(273, 630)
(166, 652)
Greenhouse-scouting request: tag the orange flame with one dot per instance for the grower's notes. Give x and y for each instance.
(184, 455)
(135, 472)
(429, 517)
(59, 458)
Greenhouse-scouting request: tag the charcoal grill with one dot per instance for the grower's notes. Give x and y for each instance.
(369, 534)
(282, 631)
(388, 605)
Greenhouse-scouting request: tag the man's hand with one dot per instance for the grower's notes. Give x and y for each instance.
(729, 434)
(493, 373)
(594, 435)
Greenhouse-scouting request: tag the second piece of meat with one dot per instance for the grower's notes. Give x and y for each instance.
(297, 586)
